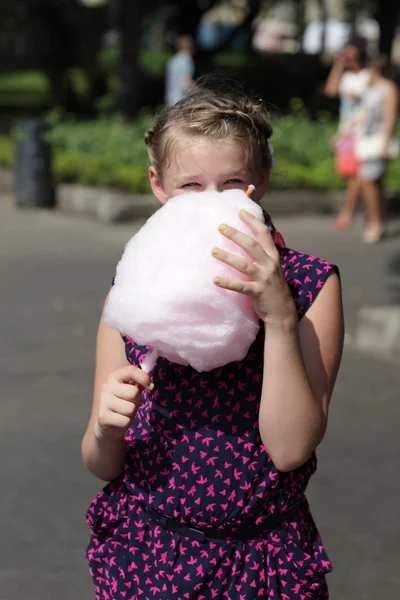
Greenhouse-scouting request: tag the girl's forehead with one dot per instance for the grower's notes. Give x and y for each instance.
(206, 155)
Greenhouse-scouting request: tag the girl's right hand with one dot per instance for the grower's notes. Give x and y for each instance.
(119, 401)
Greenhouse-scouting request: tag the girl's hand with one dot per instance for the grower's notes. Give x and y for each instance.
(266, 288)
(119, 401)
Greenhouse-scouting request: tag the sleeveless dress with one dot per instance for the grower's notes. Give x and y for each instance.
(194, 454)
(372, 123)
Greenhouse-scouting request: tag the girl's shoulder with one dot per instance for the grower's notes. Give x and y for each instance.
(305, 275)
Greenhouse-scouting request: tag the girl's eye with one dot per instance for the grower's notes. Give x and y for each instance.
(234, 181)
(191, 184)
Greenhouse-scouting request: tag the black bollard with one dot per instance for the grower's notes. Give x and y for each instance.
(33, 182)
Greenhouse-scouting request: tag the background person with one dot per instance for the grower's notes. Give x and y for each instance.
(376, 121)
(180, 71)
(348, 79)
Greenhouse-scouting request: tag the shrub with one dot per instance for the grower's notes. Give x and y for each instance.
(110, 152)
(6, 152)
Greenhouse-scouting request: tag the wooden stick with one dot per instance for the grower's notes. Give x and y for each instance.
(250, 190)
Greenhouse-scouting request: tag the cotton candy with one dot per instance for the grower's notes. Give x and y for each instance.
(164, 296)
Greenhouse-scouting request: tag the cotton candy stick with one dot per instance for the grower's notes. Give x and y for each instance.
(250, 190)
(148, 364)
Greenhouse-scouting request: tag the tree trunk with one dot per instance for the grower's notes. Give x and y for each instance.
(324, 17)
(129, 99)
(386, 15)
(190, 13)
(300, 7)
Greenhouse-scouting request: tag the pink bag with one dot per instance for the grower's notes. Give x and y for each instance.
(346, 163)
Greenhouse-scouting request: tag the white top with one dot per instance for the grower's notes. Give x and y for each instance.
(351, 90)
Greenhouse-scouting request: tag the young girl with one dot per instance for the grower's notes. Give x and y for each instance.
(208, 470)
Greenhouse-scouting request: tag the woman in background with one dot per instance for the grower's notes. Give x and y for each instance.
(375, 120)
(348, 79)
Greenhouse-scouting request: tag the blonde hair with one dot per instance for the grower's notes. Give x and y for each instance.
(217, 115)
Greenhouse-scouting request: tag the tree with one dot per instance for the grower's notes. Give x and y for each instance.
(57, 35)
(387, 14)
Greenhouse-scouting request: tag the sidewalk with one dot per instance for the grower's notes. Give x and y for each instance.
(55, 271)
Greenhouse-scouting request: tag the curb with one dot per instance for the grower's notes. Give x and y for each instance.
(112, 206)
(378, 330)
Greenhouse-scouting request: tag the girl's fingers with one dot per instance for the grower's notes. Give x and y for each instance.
(114, 420)
(248, 244)
(237, 262)
(124, 391)
(122, 407)
(261, 231)
(248, 288)
(131, 374)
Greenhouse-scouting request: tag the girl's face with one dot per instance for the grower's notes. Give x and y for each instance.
(200, 165)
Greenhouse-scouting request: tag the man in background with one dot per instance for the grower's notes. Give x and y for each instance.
(180, 70)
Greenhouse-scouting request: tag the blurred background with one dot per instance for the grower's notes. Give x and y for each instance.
(80, 82)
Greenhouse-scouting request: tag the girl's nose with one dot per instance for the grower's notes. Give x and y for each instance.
(212, 187)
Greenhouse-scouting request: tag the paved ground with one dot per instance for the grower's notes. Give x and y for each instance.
(54, 272)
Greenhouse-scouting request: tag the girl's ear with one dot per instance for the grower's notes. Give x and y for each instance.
(156, 186)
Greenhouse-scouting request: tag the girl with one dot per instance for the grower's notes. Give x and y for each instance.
(209, 470)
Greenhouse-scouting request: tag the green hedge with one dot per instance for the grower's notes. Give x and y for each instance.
(112, 153)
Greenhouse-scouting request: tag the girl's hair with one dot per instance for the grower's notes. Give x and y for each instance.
(216, 113)
(362, 49)
(383, 66)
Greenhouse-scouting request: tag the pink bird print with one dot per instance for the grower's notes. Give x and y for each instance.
(202, 480)
(210, 491)
(194, 469)
(310, 296)
(155, 590)
(248, 446)
(246, 486)
(237, 474)
(192, 491)
(207, 441)
(161, 374)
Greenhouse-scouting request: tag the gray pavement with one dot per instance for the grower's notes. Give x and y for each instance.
(55, 271)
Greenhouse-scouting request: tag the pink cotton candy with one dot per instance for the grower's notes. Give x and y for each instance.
(164, 295)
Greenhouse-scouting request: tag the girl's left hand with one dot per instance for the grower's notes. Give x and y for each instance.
(266, 287)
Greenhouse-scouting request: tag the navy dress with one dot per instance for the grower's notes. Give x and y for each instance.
(194, 454)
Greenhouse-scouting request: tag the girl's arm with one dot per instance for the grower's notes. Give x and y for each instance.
(115, 402)
(390, 108)
(301, 362)
(104, 458)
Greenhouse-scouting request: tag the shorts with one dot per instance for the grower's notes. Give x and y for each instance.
(372, 170)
